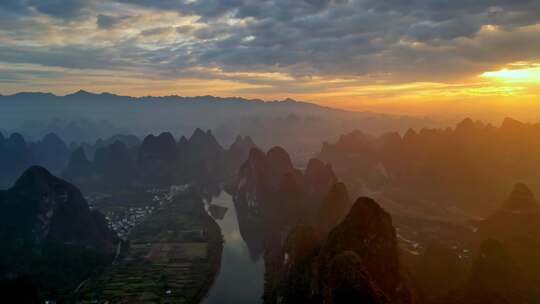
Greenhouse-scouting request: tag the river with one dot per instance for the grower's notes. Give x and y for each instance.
(241, 277)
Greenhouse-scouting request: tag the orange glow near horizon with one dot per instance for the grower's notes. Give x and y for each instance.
(513, 89)
(522, 72)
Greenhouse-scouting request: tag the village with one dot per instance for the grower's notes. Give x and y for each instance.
(125, 211)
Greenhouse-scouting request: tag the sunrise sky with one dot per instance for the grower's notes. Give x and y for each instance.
(422, 57)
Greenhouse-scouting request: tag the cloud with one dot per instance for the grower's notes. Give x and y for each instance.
(73, 57)
(108, 22)
(63, 9)
(157, 31)
(369, 41)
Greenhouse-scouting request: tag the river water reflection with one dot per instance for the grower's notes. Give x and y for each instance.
(241, 277)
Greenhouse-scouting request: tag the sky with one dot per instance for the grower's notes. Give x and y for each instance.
(416, 57)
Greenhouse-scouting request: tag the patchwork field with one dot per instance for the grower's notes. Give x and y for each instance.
(173, 257)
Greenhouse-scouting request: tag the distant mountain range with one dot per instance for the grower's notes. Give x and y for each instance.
(159, 161)
(84, 116)
(126, 162)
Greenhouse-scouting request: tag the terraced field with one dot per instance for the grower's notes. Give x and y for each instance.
(173, 257)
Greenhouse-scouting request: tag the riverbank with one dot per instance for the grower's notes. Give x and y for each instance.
(215, 253)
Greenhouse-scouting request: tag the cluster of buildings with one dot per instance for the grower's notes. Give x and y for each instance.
(123, 223)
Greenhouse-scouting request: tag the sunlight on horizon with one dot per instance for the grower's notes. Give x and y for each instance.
(522, 72)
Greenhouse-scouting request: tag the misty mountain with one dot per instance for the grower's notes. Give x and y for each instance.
(439, 171)
(17, 154)
(51, 152)
(270, 186)
(158, 161)
(90, 148)
(15, 157)
(84, 116)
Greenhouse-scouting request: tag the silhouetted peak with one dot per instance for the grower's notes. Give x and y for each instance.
(16, 139)
(241, 146)
(511, 124)
(165, 138)
(53, 139)
(198, 133)
(249, 141)
(465, 125)
(201, 138)
(521, 198)
(352, 138)
(279, 159)
(366, 208)
(182, 141)
(81, 93)
(368, 231)
(34, 178)
(410, 135)
(289, 100)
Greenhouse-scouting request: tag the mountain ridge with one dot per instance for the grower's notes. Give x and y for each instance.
(197, 98)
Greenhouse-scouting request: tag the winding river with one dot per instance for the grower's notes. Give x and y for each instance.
(241, 277)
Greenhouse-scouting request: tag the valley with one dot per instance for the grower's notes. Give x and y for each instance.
(172, 256)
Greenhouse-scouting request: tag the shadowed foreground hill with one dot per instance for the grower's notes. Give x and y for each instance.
(506, 267)
(496, 279)
(516, 225)
(357, 263)
(50, 235)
